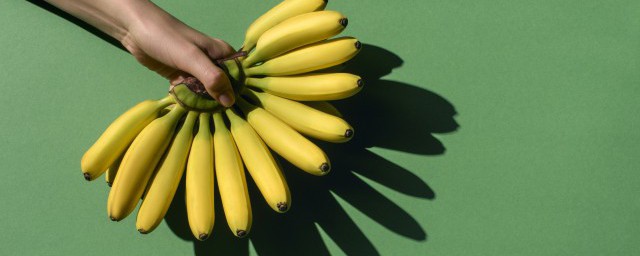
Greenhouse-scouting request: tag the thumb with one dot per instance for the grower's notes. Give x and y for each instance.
(215, 81)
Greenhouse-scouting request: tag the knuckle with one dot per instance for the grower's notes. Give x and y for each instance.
(213, 80)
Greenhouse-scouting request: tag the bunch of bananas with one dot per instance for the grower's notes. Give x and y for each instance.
(146, 150)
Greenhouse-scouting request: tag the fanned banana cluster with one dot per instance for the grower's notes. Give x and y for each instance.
(282, 100)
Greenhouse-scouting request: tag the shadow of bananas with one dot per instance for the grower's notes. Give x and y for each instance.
(386, 114)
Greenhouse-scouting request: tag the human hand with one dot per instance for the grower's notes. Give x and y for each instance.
(159, 41)
(176, 51)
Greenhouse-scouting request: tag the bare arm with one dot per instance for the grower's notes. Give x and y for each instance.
(158, 40)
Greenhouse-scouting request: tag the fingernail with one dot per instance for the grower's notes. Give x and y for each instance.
(226, 100)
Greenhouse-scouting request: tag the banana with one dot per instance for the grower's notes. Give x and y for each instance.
(308, 58)
(165, 181)
(199, 181)
(286, 9)
(139, 162)
(296, 31)
(110, 174)
(115, 139)
(286, 141)
(231, 180)
(304, 119)
(309, 87)
(261, 165)
(323, 106)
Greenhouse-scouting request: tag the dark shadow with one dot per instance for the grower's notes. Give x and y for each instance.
(96, 32)
(392, 114)
(386, 114)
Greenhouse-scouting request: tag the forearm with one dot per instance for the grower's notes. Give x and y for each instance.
(158, 41)
(114, 17)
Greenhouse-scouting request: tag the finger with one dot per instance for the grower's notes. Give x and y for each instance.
(215, 48)
(154, 65)
(215, 81)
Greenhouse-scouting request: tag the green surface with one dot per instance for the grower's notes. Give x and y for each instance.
(544, 162)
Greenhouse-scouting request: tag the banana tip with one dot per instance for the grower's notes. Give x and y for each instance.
(344, 22)
(325, 168)
(241, 233)
(348, 133)
(142, 231)
(113, 218)
(203, 237)
(282, 206)
(358, 45)
(360, 83)
(87, 176)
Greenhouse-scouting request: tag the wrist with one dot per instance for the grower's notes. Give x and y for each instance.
(142, 17)
(128, 15)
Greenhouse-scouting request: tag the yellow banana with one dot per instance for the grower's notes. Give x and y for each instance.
(165, 181)
(231, 179)
(199, 181)
(163, 112)
(139, 162)
(285, 141)
(323, 106)
(115, 139)
(304, 119)
(296, 31)
(261, 165)
(308, 58)
(286, 9)
(309, 87)
(110, 174)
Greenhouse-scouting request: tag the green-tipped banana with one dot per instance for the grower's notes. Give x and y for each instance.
(139, 162)
(309, 58)
(118, 136)
(286, 9)
(309, 87)
(262, 167)
(305, 119)
(231, 179)
(165, 182)
(286, 141)
(295, 32)
(199, 184)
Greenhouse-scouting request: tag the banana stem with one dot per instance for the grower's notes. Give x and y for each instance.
(244, 105)
(232, 65)
(195, 91)
(166, 101)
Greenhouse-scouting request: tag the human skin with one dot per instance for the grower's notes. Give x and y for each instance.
(158, 41)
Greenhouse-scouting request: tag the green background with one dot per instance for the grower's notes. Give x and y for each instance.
(486, 127)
